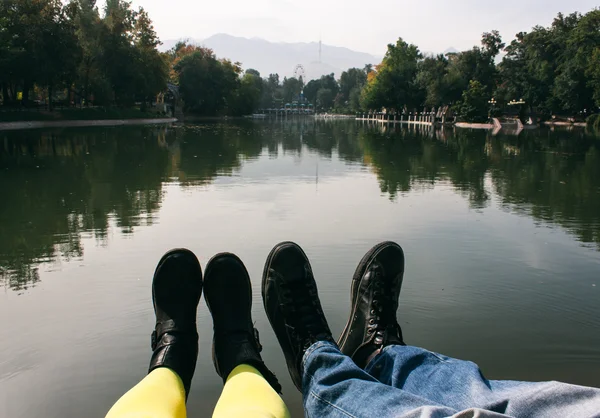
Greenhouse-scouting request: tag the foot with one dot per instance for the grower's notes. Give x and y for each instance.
(375, 291)
(176, 291)
(228, 295)
(292, 304)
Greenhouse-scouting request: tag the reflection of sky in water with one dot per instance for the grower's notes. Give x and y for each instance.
(487, 282)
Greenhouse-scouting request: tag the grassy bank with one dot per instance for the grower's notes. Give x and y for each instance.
(26, 115)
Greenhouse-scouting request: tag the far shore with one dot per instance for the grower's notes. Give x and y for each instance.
(13, 126)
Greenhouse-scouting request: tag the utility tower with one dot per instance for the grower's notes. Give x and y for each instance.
(320, 49)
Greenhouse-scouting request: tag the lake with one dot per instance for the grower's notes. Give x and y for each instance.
(501, 236)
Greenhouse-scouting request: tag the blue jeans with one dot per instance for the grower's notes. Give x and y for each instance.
(404, 381)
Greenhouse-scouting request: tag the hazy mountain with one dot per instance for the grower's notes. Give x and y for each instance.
(269, 57)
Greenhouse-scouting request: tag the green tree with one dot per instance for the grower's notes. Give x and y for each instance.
(249, 94)
(432, 78)
(152, 65)
(272, 95)
(119, 57)
(195, 73)
(91, 80)
(210, 86)
(311, 90)
(60, 51)
(593, 72)
(554, 69)
(351, 83)
(24, 25)
(329, 82)
(474, 104)
(291, 89)
(323, 92)
(476, 64)
(325, 98)
(392, 84)
(577, 76)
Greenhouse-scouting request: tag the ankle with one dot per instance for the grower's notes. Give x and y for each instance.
(232, 356)
(260, 368)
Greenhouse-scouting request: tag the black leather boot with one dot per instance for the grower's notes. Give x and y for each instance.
(228, 295)
(375, 291)
(176, 291)
(292, 304)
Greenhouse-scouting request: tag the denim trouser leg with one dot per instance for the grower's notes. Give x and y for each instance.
(413, 382)
(333, 386)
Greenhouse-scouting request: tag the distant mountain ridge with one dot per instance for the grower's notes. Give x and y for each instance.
(281, 58)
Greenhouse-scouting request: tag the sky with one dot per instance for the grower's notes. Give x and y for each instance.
(433, 25)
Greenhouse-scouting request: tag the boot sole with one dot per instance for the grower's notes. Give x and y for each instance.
(358, 274)
(206, 274)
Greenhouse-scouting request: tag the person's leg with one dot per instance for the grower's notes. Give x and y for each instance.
(331, 383)
(248, 394)
(373, 339)
(176, 291)
(250, 387)
(334, 386)
(159, 395)
(460, 385)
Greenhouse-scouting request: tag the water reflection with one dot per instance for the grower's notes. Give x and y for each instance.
(59, 186)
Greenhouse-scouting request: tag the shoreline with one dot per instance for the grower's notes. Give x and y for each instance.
(15, 126)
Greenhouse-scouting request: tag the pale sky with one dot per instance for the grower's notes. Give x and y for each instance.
(366, 26)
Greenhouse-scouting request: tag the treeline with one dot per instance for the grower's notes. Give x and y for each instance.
(80, 53)
(548, 71)
(214, 87)
(77, 54)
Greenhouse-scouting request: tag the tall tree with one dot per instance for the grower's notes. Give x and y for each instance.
(119, 55)
(151, 65)
(392, 84)
(554, 69)
(576, 77)
(432, 78)
(60, 50)
(291, 89)
(91, 80)
(272, 95)
(351, 80)
(249, 94)
(210, 86)
(473, 106)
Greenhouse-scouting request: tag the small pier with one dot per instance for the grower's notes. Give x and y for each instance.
(410, 118)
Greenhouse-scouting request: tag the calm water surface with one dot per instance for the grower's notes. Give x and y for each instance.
(501, 235)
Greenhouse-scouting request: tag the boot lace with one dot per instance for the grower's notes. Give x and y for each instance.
(383, 314)
(304, 314)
